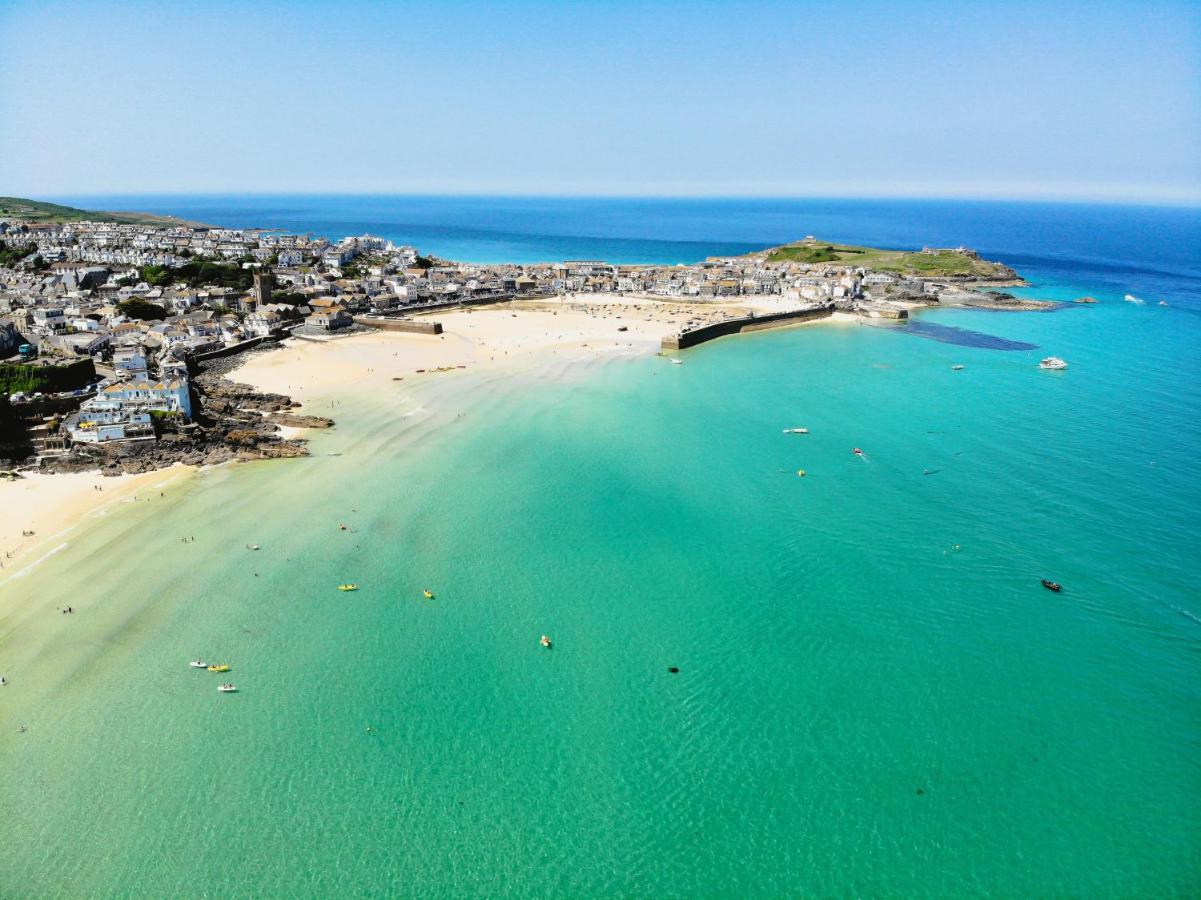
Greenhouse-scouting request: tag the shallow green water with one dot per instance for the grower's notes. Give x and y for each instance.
(875, 695)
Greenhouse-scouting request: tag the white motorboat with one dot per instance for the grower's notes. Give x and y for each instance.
(957, 368)
(1053, 362)
(1130, 298)
(796, 430)
(226, 688)
(677, 362)
(198, 664)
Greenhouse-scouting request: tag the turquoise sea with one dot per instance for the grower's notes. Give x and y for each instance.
(875, 696)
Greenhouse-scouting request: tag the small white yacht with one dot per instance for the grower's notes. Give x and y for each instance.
(198, 664)
(226, 688)
(677, 362)
(1053, 362)
(796, 430)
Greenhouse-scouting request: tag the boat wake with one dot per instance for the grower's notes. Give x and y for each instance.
(1130, 298)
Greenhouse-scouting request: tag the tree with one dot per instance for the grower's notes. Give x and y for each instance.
(143, 310)
(156, 276)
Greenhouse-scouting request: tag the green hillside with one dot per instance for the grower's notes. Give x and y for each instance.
(39, 211)
(900, 261)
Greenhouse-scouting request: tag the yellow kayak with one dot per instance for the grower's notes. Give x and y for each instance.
(221, 668)
(429, 595)
(348, 587)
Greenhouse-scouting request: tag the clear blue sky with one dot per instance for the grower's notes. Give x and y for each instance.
(1097, 100)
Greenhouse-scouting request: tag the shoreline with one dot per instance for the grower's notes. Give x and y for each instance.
(506, 337)
(502, 339)
(52, 506)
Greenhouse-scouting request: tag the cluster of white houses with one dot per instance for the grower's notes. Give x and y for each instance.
(370, 273)
(75, 291)
(123, 410)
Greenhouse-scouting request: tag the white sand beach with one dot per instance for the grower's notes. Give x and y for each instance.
(39, 511)
(522, 333)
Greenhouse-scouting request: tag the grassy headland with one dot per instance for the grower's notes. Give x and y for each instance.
(54, 213)
(899, 261)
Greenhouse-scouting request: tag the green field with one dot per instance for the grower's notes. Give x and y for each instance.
(38, 211)
(900, 261)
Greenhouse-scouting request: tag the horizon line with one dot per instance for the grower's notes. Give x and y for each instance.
(1188, 202)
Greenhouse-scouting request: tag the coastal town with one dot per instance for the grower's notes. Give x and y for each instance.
(114, 336)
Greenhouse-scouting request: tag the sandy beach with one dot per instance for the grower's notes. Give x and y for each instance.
(521, 334)
(41, 510)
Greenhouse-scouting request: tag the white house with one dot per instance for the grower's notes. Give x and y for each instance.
(165, 396)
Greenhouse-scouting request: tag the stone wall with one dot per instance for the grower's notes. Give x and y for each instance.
(699, 335)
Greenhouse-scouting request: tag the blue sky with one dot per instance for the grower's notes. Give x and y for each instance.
(1042, 100)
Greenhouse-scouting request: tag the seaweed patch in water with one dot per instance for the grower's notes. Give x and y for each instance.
(963, 337)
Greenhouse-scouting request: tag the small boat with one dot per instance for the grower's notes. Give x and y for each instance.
(1162, 303)
(3, 681)
(800, 473)
(796, 430)
(1052, 585)
(220, 667)
(956, 368)
(1053, 362)
(1085, 300)
(343, 527)
(429, 595)
(1130, 298)
(227, 688)
(856, 451)
(677, 362)
(348, 587)
(252, 546)
(198, 664)
(545, 641)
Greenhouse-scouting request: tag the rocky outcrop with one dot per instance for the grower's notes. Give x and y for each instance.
(232, 422)
(990, 300)
(294, 420)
